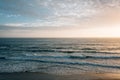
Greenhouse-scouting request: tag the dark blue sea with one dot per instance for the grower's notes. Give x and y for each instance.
(59, 55)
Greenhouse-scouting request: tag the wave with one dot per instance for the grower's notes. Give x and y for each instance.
(77, 63)
(95, 57)
(2, 57)
(58, 62)
(13, 48)
(60, 57)
(88, 49)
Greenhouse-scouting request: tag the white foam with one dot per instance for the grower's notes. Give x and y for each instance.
(18, 67)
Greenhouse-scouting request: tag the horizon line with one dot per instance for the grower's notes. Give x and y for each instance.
(59, 37)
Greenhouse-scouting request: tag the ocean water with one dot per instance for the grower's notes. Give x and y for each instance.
(59, 56)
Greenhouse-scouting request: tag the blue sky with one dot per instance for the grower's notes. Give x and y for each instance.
(58, 18)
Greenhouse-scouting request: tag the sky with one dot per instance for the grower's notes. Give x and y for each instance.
(59, 18)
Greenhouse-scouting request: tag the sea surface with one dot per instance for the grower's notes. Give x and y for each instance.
(59, 55)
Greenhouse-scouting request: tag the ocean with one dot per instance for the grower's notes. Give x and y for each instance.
(60, 56)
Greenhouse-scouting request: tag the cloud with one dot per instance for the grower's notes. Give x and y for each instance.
(23, 8)
(55, 8)
(58, 14)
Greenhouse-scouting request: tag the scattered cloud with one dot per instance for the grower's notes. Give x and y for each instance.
(57, 14)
